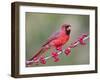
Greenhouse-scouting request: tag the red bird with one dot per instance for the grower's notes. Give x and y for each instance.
(56, 40)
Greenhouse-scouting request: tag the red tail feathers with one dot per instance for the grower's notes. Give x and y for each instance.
(39, 53)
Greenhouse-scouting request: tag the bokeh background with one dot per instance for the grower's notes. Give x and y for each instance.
(39, 26)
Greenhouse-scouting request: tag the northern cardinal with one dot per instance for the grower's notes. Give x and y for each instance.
(56, 40)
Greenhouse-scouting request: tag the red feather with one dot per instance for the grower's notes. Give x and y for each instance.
(58, 39)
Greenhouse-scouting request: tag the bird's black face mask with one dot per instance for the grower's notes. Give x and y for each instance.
(67, 29)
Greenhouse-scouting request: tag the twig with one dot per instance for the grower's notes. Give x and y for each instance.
(80, 40)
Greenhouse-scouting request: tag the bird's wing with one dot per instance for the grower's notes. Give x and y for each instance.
(52, 37)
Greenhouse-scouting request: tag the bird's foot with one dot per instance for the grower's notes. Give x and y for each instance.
(59, 48)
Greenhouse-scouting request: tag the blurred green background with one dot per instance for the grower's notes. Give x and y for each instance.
(39, 26)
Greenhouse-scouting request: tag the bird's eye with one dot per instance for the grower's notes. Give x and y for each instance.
(68, 28)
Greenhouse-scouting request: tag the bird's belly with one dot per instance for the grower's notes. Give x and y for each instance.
(61, 41)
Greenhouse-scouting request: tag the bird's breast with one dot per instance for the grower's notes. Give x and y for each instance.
(61, 40)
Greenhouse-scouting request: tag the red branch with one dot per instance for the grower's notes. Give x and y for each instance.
(67, 51)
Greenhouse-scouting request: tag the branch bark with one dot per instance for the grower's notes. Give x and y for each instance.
(80, 40)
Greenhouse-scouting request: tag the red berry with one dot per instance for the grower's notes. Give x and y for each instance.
(67, 51)
(42, 60)
(54, 54)
(56, 59)
(59, 48)
(81, 41)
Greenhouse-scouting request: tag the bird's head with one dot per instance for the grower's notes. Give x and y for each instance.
(66, 28)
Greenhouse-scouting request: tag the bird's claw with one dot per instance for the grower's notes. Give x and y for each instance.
(59, 48)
